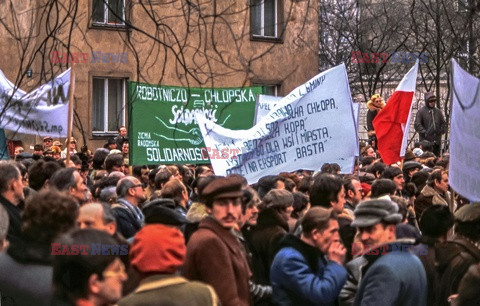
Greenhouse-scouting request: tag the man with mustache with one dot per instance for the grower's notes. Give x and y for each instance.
(214, 255)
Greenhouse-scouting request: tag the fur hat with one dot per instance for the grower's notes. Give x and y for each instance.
(56, 149)
(468, 213)
(372, 212)
(158, 248)
(370, 104)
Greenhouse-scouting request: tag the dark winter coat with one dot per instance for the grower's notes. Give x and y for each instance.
(265, 243)
(394, 278)
(346, 231)
(430, 124)
(453, 260)
(15, 219)
(26, 273)
(428, 261)
(215, 257)
(372, 113)
(386, 275)
(128, 223)
(300, 275)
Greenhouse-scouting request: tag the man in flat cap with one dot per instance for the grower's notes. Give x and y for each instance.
(387, 273)
(47, 143)
(214, 255)
(430, 123)
(458, 253)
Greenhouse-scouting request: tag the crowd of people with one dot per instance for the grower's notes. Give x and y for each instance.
(93, 230)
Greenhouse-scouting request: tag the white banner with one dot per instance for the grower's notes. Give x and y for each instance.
(43, 111)
(264, 105)
(311, 126)
(356, 114)
(464, 166)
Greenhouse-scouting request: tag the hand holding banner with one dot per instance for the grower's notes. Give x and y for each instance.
(313, 125)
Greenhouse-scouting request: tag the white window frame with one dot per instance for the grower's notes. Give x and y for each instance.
(105, 105)
(105, 14)
(261, 7)
(276, 88)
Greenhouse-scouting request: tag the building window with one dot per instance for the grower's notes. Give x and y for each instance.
(108, 12)
(108, 105)
(266, 19)
(271, 90)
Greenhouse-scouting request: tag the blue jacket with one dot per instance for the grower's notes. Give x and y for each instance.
(394, 276)
(300, 275)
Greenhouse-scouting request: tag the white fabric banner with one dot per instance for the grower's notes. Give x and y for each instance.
(264, 105)
(356, 116)
(464, 166)
(311, 126)
(43, 111)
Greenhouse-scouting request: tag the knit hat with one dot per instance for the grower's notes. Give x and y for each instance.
(366, 188)
(429, 96)
(418, 152)
(223, 187)
(468, 213)
(278, 198)
(372, 212)
(158, 248)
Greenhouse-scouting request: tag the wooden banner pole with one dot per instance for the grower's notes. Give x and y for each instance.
(70, 114)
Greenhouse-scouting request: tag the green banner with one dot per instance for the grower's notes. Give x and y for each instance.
(163, 129)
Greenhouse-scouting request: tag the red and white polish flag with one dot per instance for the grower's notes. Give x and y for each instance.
(393, 121)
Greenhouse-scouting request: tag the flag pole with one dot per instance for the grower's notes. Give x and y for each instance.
(452, 201)
(70, 114)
